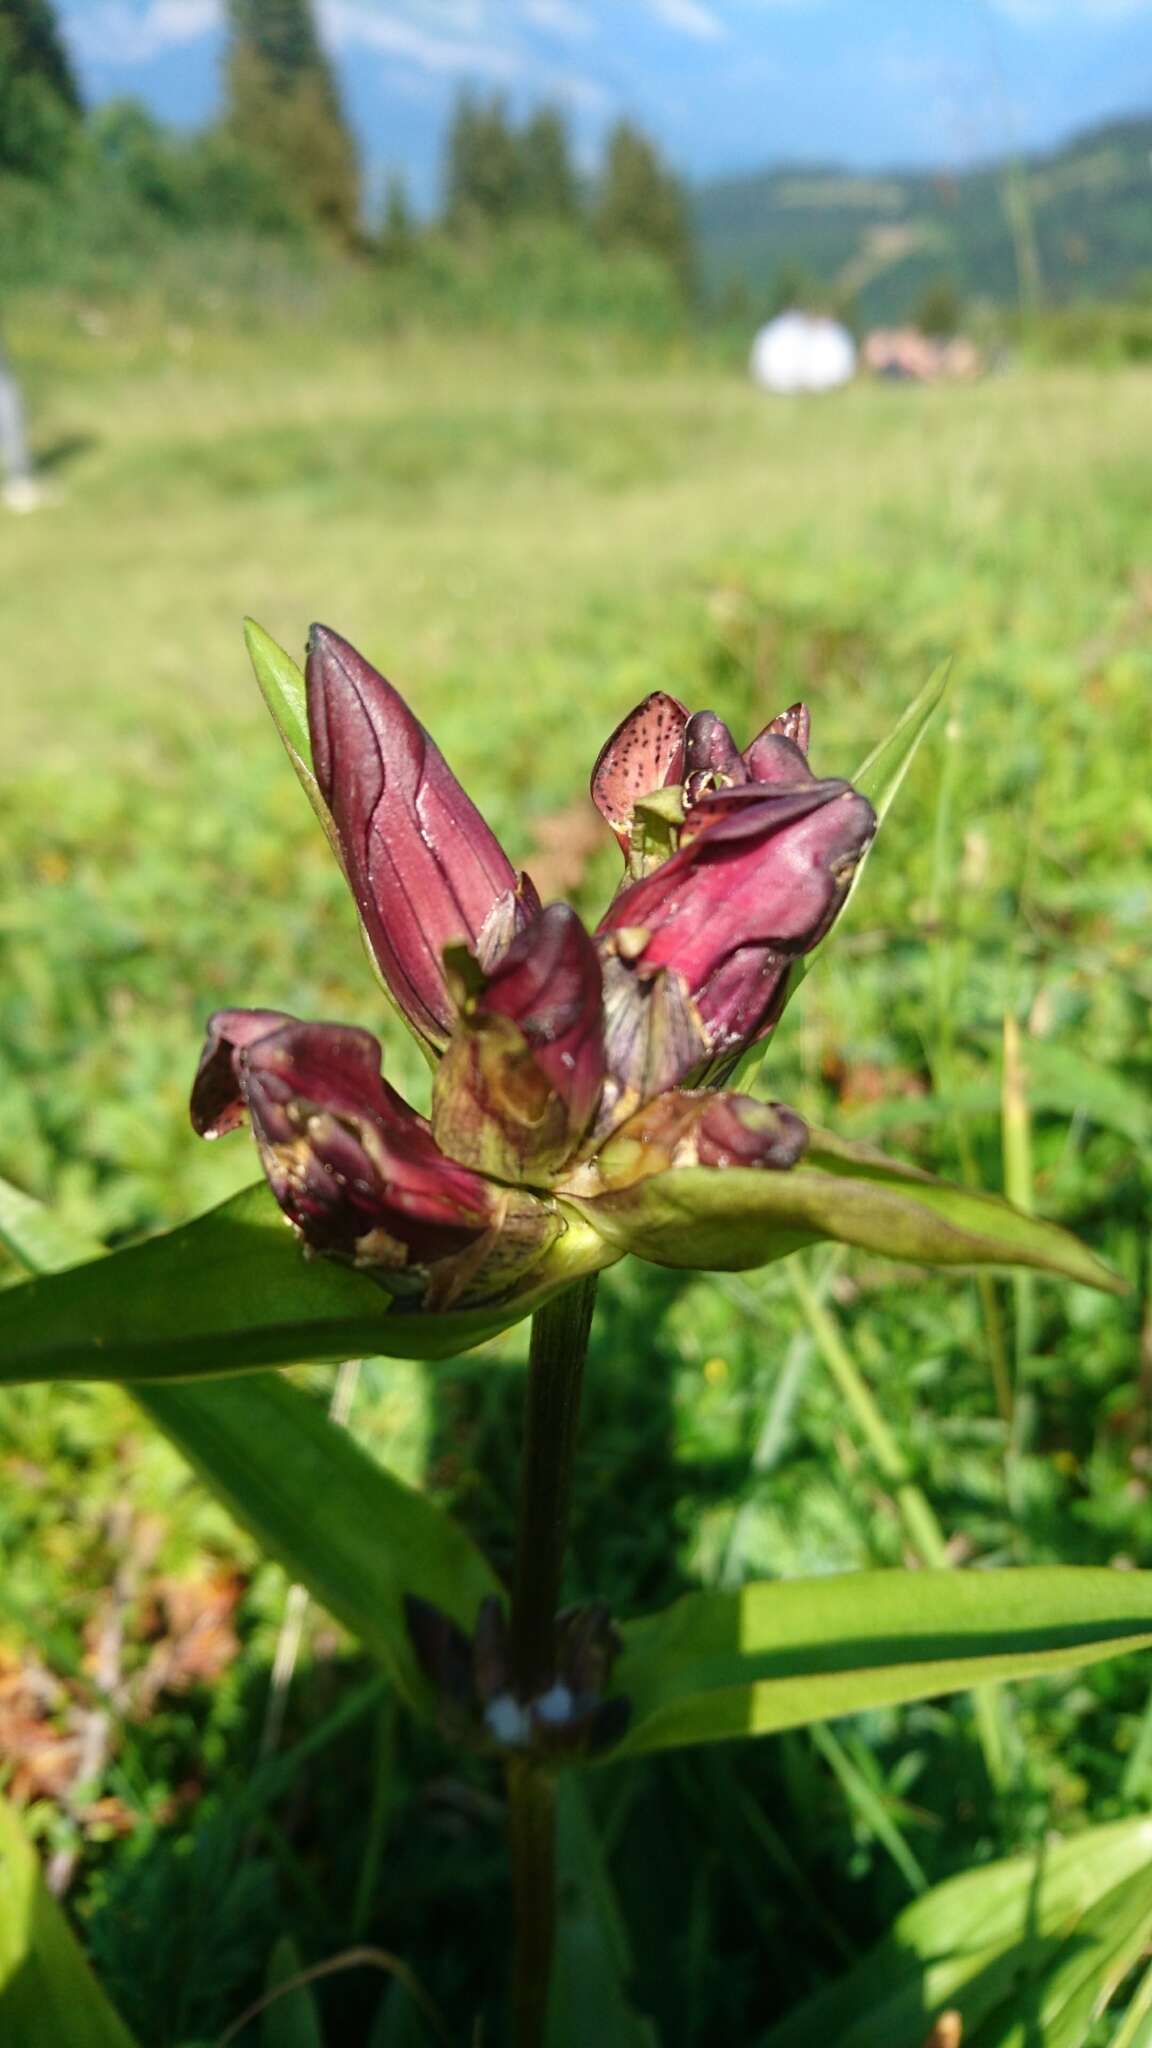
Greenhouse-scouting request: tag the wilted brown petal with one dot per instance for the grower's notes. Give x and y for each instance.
(653, 1035)
(522, 1074)
(697, 1127)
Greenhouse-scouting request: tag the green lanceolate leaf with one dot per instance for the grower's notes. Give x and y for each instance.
(48, 1994)
(726, 1220)
(233, 1291)
(777, 1656)
(880, 775)
(589, 1999)
(1022, 1950)
(292, 2018)
(354, 1535)
(283, 691)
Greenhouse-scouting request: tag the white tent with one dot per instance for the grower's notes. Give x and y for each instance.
(803, 352)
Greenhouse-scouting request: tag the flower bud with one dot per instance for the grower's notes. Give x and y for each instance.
(422, 864)
(521, 1078)
(712, 760)
(759, 876)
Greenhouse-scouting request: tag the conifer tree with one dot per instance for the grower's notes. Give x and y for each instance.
(642, 203)
(40, 109)
(285, 108)
(484, 182)
(547, 177)
(397, 228)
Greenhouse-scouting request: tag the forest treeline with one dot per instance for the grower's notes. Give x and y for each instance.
(86, 191)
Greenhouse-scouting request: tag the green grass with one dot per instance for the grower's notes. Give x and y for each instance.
(527, 537)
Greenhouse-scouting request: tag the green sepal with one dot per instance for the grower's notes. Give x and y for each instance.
(656, 823)
(234, 1291)
(730, 1219)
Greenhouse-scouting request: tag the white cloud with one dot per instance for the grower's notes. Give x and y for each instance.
(114, 32)
(354, 24)
(559, 18)
(691, 17)
(393, 33)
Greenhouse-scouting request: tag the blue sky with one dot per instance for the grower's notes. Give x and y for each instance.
(725, 85)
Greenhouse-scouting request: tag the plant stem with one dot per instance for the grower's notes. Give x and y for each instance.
(552, 1410)
(532, 1838)
(555, 1374)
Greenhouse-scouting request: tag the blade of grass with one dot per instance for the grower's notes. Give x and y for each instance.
(1016, 1139)
(1132, 2033)
(945, 978)
(866, 1802)
(383, 1789)
(918, 1516)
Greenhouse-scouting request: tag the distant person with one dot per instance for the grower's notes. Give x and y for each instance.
(803, 352)
(18, 485)
(905, 355)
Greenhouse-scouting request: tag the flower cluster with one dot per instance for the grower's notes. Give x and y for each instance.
(567, 1062)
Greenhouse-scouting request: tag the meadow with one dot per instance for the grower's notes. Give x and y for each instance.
(527, 533)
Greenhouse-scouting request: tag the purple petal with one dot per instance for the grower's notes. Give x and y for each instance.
(217, 1103)
(737, 1130)
(353, 1167)
(754, 810)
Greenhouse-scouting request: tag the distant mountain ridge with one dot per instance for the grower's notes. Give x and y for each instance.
(1083, 225)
